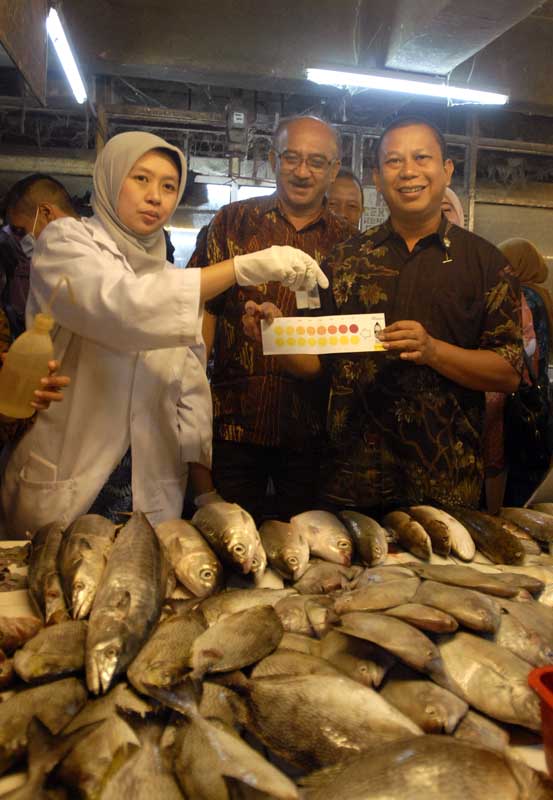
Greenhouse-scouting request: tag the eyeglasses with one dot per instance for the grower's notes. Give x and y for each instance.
(290, 160)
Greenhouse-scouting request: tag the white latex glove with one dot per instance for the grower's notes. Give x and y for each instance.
(208, 497)
(287, 265)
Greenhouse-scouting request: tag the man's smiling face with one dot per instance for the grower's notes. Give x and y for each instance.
(412, 174)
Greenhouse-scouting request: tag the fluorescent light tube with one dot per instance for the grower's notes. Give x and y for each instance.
(59, 40)
(331, 77)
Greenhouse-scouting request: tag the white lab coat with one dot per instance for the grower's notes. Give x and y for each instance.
(133, 348)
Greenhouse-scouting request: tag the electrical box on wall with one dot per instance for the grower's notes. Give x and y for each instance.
(237, 130)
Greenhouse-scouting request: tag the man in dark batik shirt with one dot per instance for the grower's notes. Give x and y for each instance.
(405, 425)
(266, 422)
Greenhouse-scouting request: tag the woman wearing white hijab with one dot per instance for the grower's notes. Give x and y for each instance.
(131, 344)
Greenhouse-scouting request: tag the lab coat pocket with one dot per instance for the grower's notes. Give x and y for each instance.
(39, 498)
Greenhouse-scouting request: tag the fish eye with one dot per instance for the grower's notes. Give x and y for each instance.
(292, 560)
(112, 652)
(239, 549)
(343, 544)
(206, 574)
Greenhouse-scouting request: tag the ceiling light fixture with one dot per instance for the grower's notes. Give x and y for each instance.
(382, 82)
(65, 55)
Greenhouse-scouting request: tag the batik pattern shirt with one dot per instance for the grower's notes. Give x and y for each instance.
(401, 433)
(254, 400)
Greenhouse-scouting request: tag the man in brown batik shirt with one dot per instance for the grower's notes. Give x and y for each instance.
(405, 425)
(267, 424)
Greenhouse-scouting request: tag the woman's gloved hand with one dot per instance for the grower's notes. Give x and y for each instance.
(287, 265)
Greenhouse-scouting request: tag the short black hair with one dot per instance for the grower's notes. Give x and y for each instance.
(404, 122)
(349, 174)
(25, 195)
(284, 122)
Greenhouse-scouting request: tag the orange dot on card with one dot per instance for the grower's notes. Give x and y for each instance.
(321, 330)
(332, 329)
(289, 330)
(311, 330)
(343, 328)
(300, 330)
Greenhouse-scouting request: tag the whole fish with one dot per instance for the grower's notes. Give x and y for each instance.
(326, 536)
(435, 527)
(402, 640)
(525, 642)
(538, 525)
(424, 617)
(368, 536)
(54, 704)
(409, 533)
(317, 720)
(537, 621)
(529, 545)
(221, 605)
(55, 651)
(195, 564)
(237, 641)
(127, 603)
(490, 537)
(475, 610)
(432, 708)
(372, 575)
(165, 656)
(428, 768)
(44, 581)
(491, 679)
(460, 540)
(467, 578)
(82, 557)
(300, 643)
(230, 531)
(361, 660)
(286, 548)
(15, 631)
(322, 577)
(481, 731)
(378, 596)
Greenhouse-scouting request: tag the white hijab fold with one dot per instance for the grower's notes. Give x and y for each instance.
(144, 253)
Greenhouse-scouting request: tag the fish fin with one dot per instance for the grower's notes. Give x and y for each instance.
(183, 697)
(46, 750)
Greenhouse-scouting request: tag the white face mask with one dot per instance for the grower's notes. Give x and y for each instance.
(27, 243)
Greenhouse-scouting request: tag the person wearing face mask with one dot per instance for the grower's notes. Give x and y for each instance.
(138, 410)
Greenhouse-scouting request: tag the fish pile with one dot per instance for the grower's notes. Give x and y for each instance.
(312, 659)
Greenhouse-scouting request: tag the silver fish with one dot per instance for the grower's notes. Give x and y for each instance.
(127, 604)
(378, 596)
(467, 578)
(424, 617)
(286, 548)
(322, 577)
(441, 525)
(55, 651)
(195, 564)
(475, 610)
(44, 581)
(369, 537)
(82, 557)
(236, 641)
(482, 731)
(326, 536)
(221, 605)
(428, 768)
(434, 709)
(361, 660)
(290, 662)
(409, 533)
(230, 531)
(538, 525)
(491, 679)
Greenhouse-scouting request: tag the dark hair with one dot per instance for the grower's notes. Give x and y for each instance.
(348, 174)
(404, 122)
(174, 158)
(27, 194)
(284, 122)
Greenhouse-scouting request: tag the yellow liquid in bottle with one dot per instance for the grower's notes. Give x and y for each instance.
(26, 363)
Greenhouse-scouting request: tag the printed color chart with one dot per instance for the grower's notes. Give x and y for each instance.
(346, 333)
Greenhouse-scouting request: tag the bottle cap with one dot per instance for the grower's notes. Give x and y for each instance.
(43, 322)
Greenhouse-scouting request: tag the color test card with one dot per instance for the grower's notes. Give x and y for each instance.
(346, 333)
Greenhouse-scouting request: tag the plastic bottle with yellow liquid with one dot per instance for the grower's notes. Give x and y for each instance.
(27, 362)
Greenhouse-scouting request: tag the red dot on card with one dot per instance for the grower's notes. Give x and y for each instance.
(354, 328)
(332, 328)
(343, 328)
